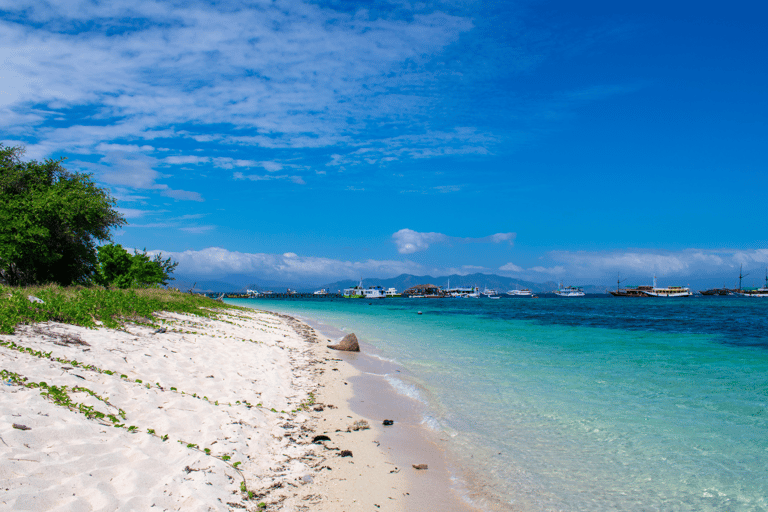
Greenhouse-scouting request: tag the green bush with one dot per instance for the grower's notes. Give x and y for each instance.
(120, 269)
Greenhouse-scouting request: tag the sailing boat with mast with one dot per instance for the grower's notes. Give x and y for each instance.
(753, 292)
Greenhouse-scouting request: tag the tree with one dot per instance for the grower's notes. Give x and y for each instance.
(118, 268)
(50, 220)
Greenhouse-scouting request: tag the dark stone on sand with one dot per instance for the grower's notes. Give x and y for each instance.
(318, 408)
(21, 427)
(420, 466)
(320, 439)
(348, 343)
(388, 422)
(345, 453)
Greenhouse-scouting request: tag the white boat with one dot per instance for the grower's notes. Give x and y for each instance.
(252, 293)
(525, 292)
(569, 291)
(490, 293)
(670, 291)
(358, 292)
(374, 292)
(392, 292)
(321, 292)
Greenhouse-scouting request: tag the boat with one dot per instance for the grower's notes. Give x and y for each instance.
(391, 292)
(716, 291)
(374, 292)
(652, 291)
(252, 294)
(321, 292)
(753, 292)
(569, 291)
(525, 292)
(356, 292)
(631, 291)
(489, 293)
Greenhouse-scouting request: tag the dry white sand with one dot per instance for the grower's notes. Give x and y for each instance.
(66, 461)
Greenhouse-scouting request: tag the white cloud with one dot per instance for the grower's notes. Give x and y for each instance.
(185, 159)
(548, 270)
(132, 213)
(409, 241)
(511, 267)
(215, 261)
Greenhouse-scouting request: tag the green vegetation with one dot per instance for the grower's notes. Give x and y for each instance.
(85, 306)
(50, 221)
(118, 268)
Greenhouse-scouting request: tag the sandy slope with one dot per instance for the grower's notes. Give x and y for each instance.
(66, 461)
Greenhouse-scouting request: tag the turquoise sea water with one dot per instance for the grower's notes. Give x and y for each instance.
(583, 404)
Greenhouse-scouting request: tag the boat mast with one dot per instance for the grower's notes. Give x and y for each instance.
(741, 276)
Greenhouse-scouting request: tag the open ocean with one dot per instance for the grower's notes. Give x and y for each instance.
(582, 403)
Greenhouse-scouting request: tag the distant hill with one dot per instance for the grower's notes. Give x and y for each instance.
(239, 283)
(404, 281)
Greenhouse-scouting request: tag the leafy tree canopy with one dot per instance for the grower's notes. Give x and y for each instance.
(50, 221)
(120, 269)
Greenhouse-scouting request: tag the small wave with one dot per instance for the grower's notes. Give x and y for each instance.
(406, 389)
(431, 423)
(385, 359)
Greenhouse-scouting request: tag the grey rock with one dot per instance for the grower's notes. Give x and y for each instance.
(34, 299)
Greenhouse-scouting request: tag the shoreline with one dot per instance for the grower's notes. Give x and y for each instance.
(409, 441)
(206, 414)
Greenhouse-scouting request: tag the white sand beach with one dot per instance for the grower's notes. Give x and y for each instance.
(218, 415)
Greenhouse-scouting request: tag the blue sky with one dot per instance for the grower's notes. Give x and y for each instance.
(313, 141)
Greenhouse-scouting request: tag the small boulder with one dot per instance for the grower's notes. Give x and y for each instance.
(420, 466)
(348, 343)
(387, 423)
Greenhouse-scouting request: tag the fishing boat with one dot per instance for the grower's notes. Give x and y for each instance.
(569, 291)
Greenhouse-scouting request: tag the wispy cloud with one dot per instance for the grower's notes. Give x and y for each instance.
(268, 177)
(296, 73)
(663, 263)
(409, 241)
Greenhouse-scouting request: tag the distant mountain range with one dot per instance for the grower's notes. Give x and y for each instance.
(492, 281)
(239, 283)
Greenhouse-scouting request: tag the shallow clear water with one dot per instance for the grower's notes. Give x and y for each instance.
(584, 404)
